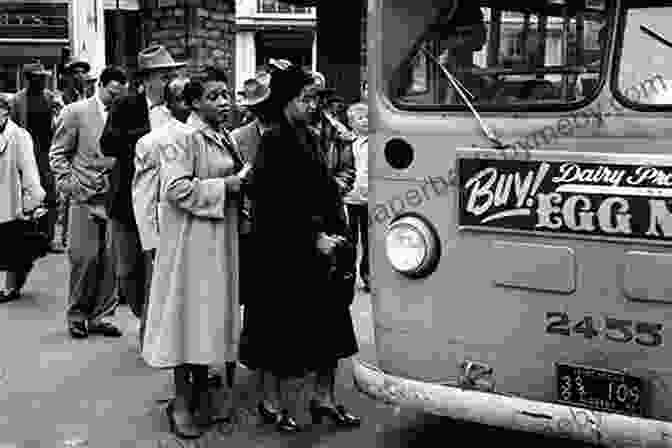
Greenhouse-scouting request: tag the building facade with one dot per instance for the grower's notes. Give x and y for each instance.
(273, 29)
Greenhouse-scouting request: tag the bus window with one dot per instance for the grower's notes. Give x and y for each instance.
(644, 76)
(502, 53)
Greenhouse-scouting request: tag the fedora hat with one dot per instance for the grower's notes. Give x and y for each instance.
(36, 69)
(156, 57)
(77, 63)
(254, 92)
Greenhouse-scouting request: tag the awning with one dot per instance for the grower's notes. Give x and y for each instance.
(24, 52)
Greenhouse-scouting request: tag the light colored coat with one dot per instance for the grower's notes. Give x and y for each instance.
(146, 180)
(194, 313)
(360, 191)
(80, 168)
(20, 187)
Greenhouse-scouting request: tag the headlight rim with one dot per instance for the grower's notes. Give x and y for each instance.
(426, 230)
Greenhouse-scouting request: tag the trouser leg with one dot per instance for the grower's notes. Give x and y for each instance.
(16, 280)
(130, 265)
(91, 285)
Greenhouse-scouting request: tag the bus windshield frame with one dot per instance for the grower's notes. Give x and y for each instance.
(540, 70)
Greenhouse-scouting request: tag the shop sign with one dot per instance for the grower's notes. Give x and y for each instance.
(34, 21)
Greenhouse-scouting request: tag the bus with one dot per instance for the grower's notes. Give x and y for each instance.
(521, 214)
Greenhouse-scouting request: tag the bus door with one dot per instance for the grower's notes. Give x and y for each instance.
(521, 182)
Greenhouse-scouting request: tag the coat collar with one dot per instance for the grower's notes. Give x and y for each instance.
(221, 139)
(6, 135)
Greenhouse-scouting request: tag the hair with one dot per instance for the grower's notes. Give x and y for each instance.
(357, 107)
(113, 73)
(171, 88)
(195, 88)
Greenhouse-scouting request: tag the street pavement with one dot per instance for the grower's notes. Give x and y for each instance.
(59, 392)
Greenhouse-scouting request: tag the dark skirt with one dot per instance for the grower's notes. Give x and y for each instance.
(21, 244)
(298, 320)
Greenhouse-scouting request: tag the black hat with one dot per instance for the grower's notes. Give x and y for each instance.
(287, 84)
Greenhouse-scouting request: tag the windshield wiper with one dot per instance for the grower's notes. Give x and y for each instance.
(648, 31)
(466, 95)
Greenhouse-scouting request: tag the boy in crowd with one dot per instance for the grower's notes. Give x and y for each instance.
(357, 199)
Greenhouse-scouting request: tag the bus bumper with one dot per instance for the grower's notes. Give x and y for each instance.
(512, 412)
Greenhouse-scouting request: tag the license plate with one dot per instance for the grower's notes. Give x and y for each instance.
(599, 389)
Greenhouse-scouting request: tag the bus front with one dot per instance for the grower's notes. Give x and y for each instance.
(521, 214)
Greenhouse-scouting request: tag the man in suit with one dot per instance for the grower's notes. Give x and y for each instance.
(82, 172)
(146, 179)
(130, 119)
(34, 108)
(75, 73)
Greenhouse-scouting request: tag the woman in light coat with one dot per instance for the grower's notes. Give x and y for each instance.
(193, 318)
(20, 194)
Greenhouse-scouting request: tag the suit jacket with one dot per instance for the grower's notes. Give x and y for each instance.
(127, 123)
(80, 168)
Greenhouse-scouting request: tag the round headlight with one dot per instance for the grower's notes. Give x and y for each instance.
(411, 246)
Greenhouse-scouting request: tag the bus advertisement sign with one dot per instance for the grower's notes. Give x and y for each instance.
(580, 198)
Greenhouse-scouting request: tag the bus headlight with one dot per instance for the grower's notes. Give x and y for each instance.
(412, 246)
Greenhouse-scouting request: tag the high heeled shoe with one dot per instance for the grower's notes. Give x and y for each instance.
(339, 415)
(267, 415)
(286, 423)
(192, 431)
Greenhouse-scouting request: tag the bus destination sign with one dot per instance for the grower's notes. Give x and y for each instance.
(567, 197)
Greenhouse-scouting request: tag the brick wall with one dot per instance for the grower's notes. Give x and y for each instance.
(199, 31)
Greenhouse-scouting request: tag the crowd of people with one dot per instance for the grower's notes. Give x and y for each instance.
(187, 220)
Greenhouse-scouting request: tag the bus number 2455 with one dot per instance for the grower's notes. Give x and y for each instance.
(616, 330)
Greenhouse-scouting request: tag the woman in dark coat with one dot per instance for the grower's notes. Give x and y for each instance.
(295, 322)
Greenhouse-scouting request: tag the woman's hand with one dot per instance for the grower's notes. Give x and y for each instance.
(327, 243)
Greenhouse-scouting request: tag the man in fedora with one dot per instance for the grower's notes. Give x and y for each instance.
(130, 119)
(75, 72)
(34, 108)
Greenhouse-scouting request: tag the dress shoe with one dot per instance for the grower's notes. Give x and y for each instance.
(268, 416)
(286, 423)
(187, 430)
(104, 329)
(337, 414)
(10, 296)
(78, 330)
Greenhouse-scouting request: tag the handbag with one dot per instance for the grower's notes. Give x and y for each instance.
(21, 243)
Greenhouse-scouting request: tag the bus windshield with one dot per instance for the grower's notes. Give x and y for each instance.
(502, 52)
(644, 76)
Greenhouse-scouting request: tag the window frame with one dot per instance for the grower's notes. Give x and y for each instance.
(617, 67)
(611, 16)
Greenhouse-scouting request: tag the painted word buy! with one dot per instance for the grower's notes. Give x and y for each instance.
(519, 195)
